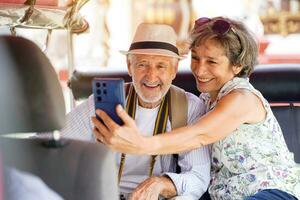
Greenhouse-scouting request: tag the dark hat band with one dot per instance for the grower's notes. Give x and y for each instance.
(153, 45)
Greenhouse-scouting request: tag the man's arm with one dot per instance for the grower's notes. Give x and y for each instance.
(195, 165)
(194, 178)
(195, 168)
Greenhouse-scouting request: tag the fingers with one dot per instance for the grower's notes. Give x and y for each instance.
(146, 190)
(100, 131)
(125, 138)
(108, 122)
(124, 116)
(99, 125)
(145, 194)
(98, 136)
(138, 192)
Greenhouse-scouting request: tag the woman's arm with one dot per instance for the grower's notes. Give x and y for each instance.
(234, 109)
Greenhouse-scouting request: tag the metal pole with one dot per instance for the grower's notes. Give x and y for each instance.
(70, 64)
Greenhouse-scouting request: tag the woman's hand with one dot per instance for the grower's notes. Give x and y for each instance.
(126, 138)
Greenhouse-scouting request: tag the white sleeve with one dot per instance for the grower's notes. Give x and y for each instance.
(194, 178)
(78, 122)
(196, 108)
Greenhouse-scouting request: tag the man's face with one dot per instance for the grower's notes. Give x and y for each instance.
(152, 76)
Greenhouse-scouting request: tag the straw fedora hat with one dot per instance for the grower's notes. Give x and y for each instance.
(154, 39)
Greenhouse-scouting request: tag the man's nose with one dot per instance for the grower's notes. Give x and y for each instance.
(152, 73)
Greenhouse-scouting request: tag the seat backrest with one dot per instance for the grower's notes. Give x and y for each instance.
(280, 85)
(32, 101)
(76, 170)
(289, 120)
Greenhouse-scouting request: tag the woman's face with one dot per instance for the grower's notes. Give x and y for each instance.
(211, 68)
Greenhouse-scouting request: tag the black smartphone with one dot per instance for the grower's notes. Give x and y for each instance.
(108, 93)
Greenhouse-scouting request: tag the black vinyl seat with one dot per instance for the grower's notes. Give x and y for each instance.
(289, 119)
(280, 85)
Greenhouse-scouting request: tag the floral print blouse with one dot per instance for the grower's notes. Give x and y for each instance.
(253, 157)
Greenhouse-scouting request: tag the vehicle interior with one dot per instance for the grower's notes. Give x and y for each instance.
(68, 43)
(74, 169)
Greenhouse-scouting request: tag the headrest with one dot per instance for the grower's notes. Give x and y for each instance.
(81, 82)
(31, 95)
(278, 82)
(78, 171)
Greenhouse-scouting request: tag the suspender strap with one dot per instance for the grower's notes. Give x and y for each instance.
(130, 109)
(179, 107)
(131, 102)
(126, 88)
(178, 113)
(160, 123)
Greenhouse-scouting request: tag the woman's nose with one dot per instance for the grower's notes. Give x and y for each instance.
(200, 68)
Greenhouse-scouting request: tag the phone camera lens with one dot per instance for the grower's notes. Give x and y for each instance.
(104, 84)
(98, 85)
(104, 92)
(99, 98)
(98, 91)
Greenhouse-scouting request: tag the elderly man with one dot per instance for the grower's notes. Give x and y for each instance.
(152, 62)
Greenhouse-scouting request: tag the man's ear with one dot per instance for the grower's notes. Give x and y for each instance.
(175, 71)
(128, 66)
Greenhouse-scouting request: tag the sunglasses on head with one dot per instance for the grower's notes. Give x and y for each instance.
(220, 26)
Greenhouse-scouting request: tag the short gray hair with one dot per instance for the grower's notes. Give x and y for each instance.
(239, 44)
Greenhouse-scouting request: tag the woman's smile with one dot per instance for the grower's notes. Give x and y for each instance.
(204, 80)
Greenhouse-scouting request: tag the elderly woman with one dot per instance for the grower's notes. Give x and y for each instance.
(250, 159)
